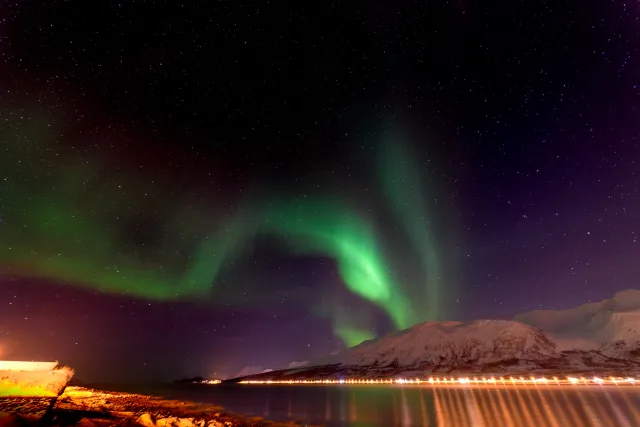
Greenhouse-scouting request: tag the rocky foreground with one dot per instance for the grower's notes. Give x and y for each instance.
(84, 407)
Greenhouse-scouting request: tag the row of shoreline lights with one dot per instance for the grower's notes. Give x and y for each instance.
(464, 381)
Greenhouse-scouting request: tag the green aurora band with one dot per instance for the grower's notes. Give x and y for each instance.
(67, 217)
(402, 186)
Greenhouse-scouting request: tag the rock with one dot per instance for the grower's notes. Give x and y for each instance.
(174, 422)
(165, 422)
(186, 422)
(146, 420)
(214, 423)
(89, 422)
(86, 422)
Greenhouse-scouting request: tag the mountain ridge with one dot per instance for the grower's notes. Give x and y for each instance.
(594, 338)
(611, 325)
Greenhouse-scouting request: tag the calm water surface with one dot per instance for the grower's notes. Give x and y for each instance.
(413, 405)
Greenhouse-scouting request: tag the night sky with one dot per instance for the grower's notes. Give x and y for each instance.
(191, 188)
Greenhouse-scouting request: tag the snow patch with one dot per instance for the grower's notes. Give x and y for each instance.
(591, 326)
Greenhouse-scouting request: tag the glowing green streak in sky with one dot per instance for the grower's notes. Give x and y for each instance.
(352, 336)
(71, 229)
(68, 217)
(69, 223)
(403, 187)
(352, 324)
(327, 227)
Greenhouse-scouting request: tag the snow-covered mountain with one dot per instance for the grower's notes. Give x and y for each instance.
(611, 327)
(482, 346)
(449, 344)
(592, 339)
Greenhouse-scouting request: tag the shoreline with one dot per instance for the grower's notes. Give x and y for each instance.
(87, 407)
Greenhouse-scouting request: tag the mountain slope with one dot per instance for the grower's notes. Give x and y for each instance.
(611, 326)
(435, 347)
(450, 343)
(593, 339)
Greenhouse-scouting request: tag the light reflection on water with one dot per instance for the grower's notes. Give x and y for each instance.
(385, 406)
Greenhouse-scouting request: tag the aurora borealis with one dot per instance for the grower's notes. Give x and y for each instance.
(75, 217)
(182, 186)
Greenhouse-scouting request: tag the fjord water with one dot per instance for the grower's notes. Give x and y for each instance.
(414, 405)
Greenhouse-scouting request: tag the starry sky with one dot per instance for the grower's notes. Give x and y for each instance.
(191, 188)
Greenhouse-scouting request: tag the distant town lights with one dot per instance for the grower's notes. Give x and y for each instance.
(512, 381)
